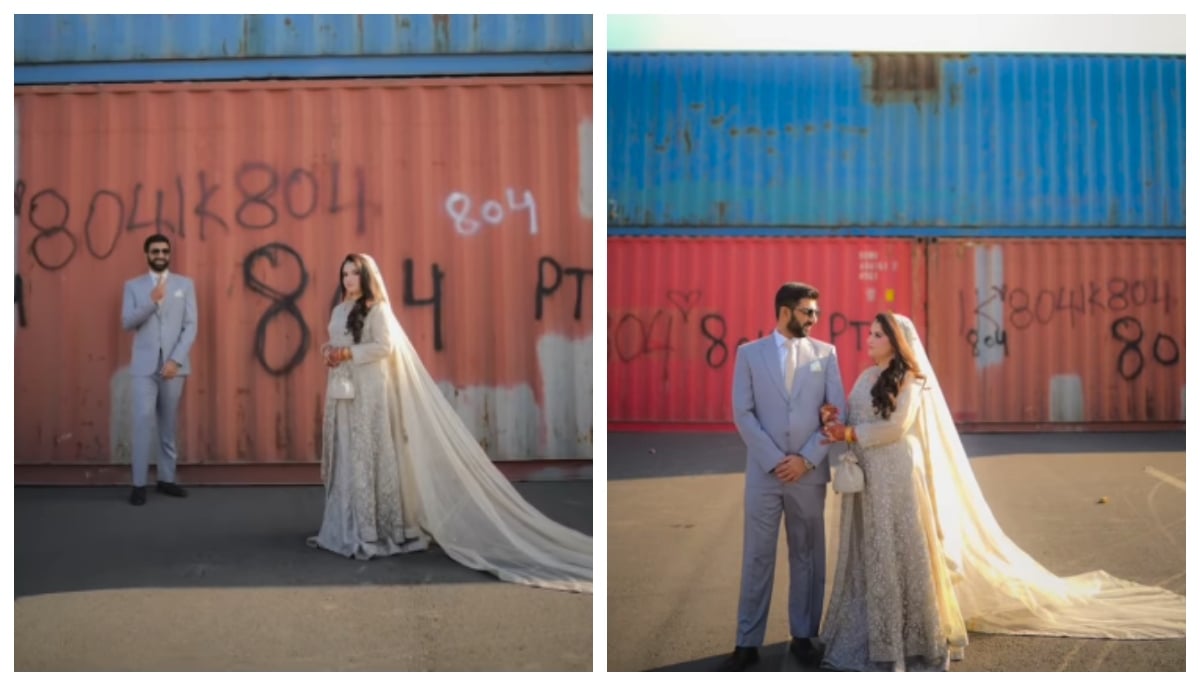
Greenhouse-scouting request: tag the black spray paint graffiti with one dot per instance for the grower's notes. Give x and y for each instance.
(434, 301)
(1001, 307)
(548, 284)
(633, 337)
(1131, 361)
(21, 302)
(263, 193)
(286, 302)
(281, 303)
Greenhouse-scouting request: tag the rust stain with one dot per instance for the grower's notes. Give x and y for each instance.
(717, 121)
(698, 106)
(903, 77)
(687, 140)
(441, 32)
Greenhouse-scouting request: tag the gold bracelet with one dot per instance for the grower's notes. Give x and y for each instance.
(851, 436)
(346, 354)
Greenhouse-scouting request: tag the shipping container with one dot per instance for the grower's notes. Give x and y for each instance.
(1059, 333)
(95, 48)
(896, 144)
(474, 194)
(679, 308)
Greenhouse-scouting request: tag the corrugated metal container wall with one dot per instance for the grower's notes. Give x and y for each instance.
(474, 195)
(66, 38)
(1058, 331)
(678, 309)
(1052, 145)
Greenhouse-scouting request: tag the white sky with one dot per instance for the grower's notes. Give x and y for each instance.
(1150, 34)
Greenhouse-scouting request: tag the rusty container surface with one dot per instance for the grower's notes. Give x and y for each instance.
(1059, 333)
(916, 144)
(474, 195)
(678, 308)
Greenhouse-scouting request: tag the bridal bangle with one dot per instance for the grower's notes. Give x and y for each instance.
(851, 437)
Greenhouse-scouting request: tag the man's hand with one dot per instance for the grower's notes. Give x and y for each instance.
(160, 290)
(170, 370)
(791, 469)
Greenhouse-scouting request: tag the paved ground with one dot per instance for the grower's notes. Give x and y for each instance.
(223, 581)
(675, 529)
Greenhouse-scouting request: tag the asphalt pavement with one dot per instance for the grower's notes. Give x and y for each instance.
(223, 580)
(675, 538)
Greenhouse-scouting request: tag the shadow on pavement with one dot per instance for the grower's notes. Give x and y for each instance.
(89, 538)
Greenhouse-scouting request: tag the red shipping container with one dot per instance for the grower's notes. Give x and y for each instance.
(473, 194)
(679, 307)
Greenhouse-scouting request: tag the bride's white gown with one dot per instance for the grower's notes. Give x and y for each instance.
(401, 468)
(982, 580)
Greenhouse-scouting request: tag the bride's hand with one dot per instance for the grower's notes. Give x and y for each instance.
(829, 413)
(834, 432)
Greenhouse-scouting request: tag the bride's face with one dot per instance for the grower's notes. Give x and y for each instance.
(351, 278)
(879, 348)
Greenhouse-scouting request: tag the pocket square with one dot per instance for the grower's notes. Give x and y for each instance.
(815, 366)
(179, 293)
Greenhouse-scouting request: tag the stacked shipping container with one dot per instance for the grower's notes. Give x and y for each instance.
(1026, 210)
(474, 193)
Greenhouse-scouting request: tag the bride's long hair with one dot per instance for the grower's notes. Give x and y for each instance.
(887, 386)
(371, 293)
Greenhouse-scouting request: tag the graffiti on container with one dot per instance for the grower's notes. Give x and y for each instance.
(492, 212)
(633, 336)
(1023, 309)
(437, 275)
(985, 321)
(264, 196)
(995, 339)
(550, 280)
(1131, 361)
(839, 324)
(282, 303)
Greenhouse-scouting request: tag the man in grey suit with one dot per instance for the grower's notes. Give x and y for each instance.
(784, 387)
(160, 308)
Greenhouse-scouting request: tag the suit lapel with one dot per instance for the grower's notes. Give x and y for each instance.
(770, 358)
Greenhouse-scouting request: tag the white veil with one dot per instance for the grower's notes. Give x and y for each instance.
(467, 506)
(1001, 589)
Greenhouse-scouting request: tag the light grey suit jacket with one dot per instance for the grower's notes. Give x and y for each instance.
(170, 328)
(773, 423)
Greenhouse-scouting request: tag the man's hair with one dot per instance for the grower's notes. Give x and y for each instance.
(156, 238)
(790, 295)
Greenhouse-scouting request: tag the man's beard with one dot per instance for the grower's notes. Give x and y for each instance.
(798, 330)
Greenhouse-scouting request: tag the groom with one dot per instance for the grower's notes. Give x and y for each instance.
(780, 386)
(160, 308)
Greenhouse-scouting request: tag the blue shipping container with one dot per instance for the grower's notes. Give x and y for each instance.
(98, 47)
(898, 144)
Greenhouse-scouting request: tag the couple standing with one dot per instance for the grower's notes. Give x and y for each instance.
(919, 557)
(401, 470)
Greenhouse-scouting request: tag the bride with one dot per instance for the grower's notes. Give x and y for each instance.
(400, 468)
(920, 559)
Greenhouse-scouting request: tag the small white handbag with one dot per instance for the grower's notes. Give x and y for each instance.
(341, 385)
(848, 476)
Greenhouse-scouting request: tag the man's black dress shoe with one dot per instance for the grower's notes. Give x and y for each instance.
(806, 651)
(168, 488)
(741, 658)
(138, 496)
